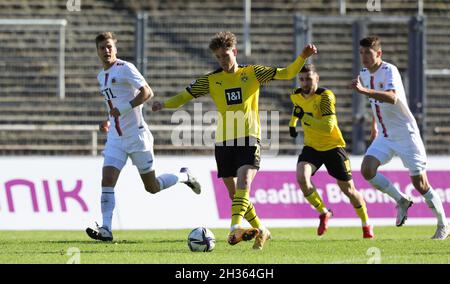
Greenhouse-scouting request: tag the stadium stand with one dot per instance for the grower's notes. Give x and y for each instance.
(178, 35)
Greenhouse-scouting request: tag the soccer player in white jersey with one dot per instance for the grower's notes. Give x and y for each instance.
(395, 132)
(125, 90)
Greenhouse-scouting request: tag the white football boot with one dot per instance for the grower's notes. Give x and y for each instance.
(192, 181)
(441, 233)
(402, 210)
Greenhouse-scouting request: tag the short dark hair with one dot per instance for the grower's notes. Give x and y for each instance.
(373, 42)
(308, 68)
(223, 40)
(104, 36)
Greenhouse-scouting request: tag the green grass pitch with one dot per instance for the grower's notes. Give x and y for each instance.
(409, 244)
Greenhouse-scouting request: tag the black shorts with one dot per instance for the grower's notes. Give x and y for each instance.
(230, 158)
(336, 161)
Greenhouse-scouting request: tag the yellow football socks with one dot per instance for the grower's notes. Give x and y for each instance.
(251, 216)
(315, 200)
(362, 214)
(239, 206)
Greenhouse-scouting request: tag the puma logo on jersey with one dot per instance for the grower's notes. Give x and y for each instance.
(219, 83)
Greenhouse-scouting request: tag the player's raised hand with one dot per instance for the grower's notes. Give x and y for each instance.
(104, 126)
(157, 106)
(308, 50)
(357, 85)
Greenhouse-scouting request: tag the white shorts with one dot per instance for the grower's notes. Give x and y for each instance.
(411, 151)
(139, 148)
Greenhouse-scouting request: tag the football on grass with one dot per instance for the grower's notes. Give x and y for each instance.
(201, 239)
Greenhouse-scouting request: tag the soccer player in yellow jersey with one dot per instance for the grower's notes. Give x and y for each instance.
(324, 144)
(235, 92)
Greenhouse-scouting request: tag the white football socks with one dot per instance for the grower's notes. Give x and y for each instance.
(434, 202)
(182, 177)
(381, 183)
(167, 180)
(108, 203)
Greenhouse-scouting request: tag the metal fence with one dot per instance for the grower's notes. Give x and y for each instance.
(172, 51)
(44, 68)
(342, 35)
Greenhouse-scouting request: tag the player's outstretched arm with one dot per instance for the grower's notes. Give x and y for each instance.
(173, 102)
(157, 106)
(292, 70)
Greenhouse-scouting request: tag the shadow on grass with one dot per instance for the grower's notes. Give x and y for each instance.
(90, 242)
(95, 242)
(63, 252)
(361, 240)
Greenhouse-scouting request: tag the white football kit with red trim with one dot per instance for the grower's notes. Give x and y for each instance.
(398, 133)
(129, 134)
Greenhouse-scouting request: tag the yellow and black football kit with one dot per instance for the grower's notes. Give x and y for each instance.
(236, 96)
(324, 143)
(238, 134)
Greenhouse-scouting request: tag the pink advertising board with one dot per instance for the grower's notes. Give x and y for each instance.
(276, 195)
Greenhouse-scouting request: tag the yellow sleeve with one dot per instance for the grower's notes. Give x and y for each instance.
(324, 124)
(294, 117)
(178, 100)
(328, 120)
(263, 73)
(291, 71)
(327, 103)
(293, 121)
(199, 87)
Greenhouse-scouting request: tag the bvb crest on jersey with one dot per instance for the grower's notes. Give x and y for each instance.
(244, 77)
